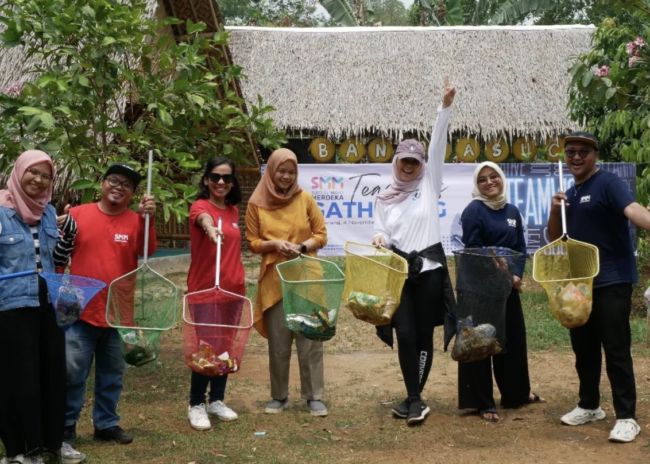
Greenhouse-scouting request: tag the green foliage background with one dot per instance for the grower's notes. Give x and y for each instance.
(109, 82)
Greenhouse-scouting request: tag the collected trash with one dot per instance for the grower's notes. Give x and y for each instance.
(207, 361)
(217, 326)
(474, 343)
(374, 309)
(317, 326)
(572, 305)
(566, 269)
(375, 278)
(139, 347)
(311, 296)
(69, 295)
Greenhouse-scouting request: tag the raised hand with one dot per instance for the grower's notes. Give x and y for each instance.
(449, 94)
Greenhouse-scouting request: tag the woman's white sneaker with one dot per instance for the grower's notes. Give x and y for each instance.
(223, 412)
(624, 431)
(581, 416)
(198, 417)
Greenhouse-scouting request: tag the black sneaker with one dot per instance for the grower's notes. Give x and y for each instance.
(70, 435)
(115, 434)
(418, 411)
(401, 411)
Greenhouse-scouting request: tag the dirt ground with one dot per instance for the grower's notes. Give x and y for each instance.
(363, 382)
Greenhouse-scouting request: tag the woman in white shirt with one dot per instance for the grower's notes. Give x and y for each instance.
(406, 221)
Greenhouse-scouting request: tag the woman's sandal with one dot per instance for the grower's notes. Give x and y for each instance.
(484, 415)
(536, 398)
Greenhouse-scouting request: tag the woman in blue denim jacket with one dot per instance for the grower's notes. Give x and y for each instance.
(32, 347)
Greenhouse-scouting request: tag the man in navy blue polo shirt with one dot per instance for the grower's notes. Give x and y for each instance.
(599, 207)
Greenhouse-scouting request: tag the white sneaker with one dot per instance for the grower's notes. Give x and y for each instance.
(198, 417)
(223, 412)
(624, 431)
(22, 459)
(581, 416)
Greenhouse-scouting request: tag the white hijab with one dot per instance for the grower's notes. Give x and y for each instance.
(495, 203)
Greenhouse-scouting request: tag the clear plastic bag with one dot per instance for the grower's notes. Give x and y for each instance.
(474, 343)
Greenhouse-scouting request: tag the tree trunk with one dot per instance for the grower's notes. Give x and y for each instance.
(423, 17)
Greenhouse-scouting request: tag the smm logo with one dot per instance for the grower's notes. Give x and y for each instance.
(585, 199)
(512, 222)
(122, 238)
(327, 183)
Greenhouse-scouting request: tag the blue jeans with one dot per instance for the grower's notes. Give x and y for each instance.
(83, 343)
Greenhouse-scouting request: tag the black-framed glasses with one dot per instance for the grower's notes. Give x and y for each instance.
(581, 153)
(36, 173)
(216, 177)
(127, 185)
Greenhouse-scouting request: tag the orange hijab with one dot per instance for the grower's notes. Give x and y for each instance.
(265, 194)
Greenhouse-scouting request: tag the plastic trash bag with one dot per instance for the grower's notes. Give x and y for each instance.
(474, 343)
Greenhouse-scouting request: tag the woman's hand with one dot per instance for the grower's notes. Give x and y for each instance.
(287, 249)
(213, 232)
(379, 241)
(449, 94)
(516, 282)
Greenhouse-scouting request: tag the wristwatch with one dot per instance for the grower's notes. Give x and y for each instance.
(303, 248)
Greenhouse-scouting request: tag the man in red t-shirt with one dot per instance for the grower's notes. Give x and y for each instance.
(110, 237)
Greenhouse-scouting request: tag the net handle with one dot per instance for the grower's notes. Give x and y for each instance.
(217, 274)
(147, 219)
(17, 274)
(559, 163)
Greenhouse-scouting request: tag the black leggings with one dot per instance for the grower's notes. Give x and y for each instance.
(414, 322)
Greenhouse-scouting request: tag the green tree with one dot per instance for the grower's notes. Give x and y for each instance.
(610, 89)
(109, 83)
(301, 13)
(389, 12)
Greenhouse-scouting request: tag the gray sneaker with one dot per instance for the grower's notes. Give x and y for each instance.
(316, 408)
(276, 406)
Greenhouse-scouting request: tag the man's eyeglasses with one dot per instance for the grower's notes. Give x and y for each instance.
(582, 153)
(215, 178)
(127, 185)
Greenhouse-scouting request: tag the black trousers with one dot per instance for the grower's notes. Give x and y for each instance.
(475, 388)
(608, 327)
(33, 372)
(414, 321)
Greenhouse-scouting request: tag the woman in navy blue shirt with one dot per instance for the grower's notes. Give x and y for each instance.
(489, 220)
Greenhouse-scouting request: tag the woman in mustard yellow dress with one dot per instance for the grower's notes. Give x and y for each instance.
(283, 221)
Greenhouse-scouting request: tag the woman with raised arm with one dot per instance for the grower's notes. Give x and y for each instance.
(407, 221)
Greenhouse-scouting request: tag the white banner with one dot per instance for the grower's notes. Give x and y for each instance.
(346, 195)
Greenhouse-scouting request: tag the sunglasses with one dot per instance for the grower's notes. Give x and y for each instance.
(581, 153)
(215, 178)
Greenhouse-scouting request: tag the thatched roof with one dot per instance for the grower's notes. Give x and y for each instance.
(355, 81)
